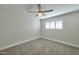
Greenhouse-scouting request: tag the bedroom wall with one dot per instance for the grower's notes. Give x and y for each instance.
(15, 28)
(70, 32)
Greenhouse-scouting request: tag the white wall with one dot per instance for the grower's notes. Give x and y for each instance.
(15, 28)
(70, 31)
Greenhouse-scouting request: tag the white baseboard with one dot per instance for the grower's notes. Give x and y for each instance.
(66, 43)
(12, 45)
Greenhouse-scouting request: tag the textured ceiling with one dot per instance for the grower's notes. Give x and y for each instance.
(58, 8)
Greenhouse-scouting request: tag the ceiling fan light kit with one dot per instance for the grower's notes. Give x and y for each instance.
(39, 14)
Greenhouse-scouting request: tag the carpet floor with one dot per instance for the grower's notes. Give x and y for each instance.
(41, 47)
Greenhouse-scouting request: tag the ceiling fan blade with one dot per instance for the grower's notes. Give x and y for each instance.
(47, 11)
(32, 11)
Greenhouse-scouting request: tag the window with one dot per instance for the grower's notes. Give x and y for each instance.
(59, 24)
(54, 25)
(47, 25)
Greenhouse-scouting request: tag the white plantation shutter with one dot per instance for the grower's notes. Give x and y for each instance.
(47, 25)
(59, 24)
(52, 25)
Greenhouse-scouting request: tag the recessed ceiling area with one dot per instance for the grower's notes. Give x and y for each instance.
(58, 8)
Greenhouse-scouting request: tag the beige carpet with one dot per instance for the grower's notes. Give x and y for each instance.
(41, 47)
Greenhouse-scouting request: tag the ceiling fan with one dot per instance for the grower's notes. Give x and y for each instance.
(40, 12)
